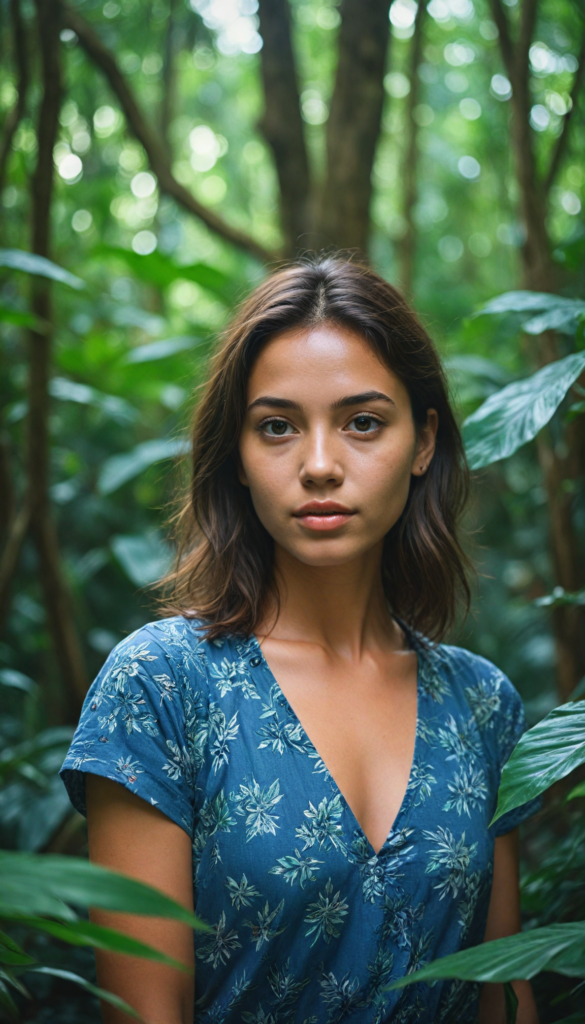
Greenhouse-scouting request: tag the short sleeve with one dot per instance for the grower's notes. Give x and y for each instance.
(509, 727)
(137, 726)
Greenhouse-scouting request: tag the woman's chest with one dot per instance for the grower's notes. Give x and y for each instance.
(275, 834)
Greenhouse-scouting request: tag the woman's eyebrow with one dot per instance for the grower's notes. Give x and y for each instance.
(274, 403)
(287, 403)
(365, 396)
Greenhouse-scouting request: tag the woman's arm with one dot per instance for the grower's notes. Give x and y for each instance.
(504, 919)
(128, 835)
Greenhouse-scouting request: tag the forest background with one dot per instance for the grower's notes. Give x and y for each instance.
(164, 155)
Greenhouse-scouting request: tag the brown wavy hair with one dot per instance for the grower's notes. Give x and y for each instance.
(224, 570)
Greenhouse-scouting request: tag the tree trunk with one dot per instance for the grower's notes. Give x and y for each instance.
(56, 597)
(16, 113)
(410, 164)
(354, 122)
(282, 124)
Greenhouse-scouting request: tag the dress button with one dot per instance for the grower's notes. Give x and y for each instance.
(254, 662)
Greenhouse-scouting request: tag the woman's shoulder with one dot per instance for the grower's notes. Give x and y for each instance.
(487, 690)
(182, 644)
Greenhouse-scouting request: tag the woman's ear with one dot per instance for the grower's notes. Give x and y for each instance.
(425, 447)
(240, 470)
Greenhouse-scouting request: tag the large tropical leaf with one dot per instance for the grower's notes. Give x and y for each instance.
(558, 947)
(86, 933)
(144, 557)
(43, 885)
(514, 415)
(17, 680)
(11, 953)
(118, 469)
(528, 302)
(160, 270)
(17, 259)
(161, 349)
(8, 315)
(554, 312)
(112, 405)
(48, 739)
(101, 993)
(543, 755)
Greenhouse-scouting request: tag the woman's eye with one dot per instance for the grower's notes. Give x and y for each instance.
(364, 424)
(277, 428)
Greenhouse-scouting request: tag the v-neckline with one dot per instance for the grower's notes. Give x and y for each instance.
(417, 650)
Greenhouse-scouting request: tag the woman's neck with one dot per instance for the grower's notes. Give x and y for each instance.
(342, 608)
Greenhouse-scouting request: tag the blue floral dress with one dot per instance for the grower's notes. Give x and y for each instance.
(309, 923)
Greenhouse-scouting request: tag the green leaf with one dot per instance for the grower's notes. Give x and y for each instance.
(118, 469)
(577, 409)
(543, 755)
(48, 739)
(11, 953)
(560, 597)
(7, 1004)
(21, 319)
(144, 557)
(85, 933)
(558, 318)
(514, 415)
(17, 259)
(30, 881)
(132, 316)
(511, 1003)
(71, 391)
(558, 947)
(527, 302)
(9, 977)
(161, 271)
(577, 791)
(101, 993)
(161, 349)
(12, 677)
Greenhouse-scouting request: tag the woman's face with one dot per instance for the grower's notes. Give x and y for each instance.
(329, 444)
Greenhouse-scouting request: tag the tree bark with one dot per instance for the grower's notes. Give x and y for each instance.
(10, 556)
(410, 165)
(57, 601)
(282, 124)
(540, 274)
(151, 141)
(354, 121)
(169, 77)
(15, 115)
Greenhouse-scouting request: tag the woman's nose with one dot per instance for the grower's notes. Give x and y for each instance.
(320, 462)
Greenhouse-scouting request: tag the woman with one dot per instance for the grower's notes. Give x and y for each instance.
(290, 751)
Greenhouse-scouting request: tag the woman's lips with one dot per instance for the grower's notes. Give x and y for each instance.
(327, 516)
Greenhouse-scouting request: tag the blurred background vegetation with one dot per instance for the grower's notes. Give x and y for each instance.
(166, 154)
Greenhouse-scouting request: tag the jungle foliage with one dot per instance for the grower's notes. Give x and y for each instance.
(156, 158)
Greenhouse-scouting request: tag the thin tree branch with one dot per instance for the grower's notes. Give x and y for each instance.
(528, 14)
(7, 504)
(410, 164)
(353, 127)
(10, 556)
(562, 140)
(504, 38)
(153, 145)
(14, 116)
(56, 597)
(281, 122)
(168, 76)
